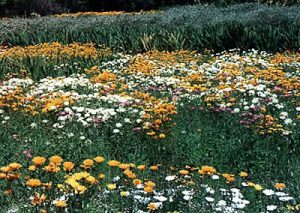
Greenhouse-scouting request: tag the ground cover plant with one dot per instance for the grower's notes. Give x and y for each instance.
(158, 131)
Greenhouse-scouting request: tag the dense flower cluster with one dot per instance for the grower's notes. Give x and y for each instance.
(54, 50)
(110, 13)
(146, 89)
(195, 187)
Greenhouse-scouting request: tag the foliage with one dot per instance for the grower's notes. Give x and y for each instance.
(240, 26)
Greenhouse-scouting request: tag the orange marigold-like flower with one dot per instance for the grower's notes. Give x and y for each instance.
(33, 183)
(184, 172)
(87, 164)
(68, 166)
(137, 182)
(280, 186)
(99, 159)
(38, 199)
(14, 166)
(56, 159)
(152, 206)
(113, 163)
(141, 167)
(5, 169)
(38, 161)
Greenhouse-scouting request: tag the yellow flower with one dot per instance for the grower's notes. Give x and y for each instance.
(111, 186)
(258, 187)
(5, 169)
(14, 166)
(251, 184)
(161, 136)
(124, 193)
(68, 166)
(33, 183)
(60, 203)
(32, 168)
(152, 206)
(243, 174)
(280, 186)
(99, 159)
(91, 180)
(38, 161)
(101, 176)
(113, 163)
(56, 159)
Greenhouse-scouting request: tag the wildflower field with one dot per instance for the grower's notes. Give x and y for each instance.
(86, 128)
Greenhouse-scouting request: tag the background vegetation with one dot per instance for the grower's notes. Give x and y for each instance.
(44, 7)
(242, 26)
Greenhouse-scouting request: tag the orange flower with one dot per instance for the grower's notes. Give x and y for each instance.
(229, 177)
(150, 183)
(137, 182)
(87, 164)
(38, 199)
(124, 166)
(47, 186)
(184, 172)
(52, 168)
(99, 159)
(141, 167)
(56, 159)
(113, 163)
(8, 192)
(33, 183)
(148, 189)
(68, 166)
(207, 170)
(280, 186)
(14, 166)
(3, 175)
(129, 174)
(38, 161)
(152, 206)
(154, 168)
